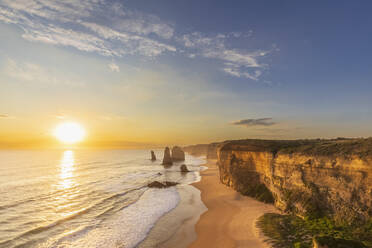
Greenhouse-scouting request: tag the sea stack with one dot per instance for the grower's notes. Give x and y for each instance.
(167, 160)
(153, 157)
(178, 154)
(184, 168)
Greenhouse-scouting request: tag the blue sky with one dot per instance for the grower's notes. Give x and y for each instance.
(199, 71)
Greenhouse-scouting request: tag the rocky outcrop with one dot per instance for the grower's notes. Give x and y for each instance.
(167, 159)
(153, 157)
(159, 185)
(196, 150)
(184, 168)
(208, 150)
(178, 154)
(212, 150)
(305, 177)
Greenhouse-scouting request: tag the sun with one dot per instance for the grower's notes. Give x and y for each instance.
(69, 132)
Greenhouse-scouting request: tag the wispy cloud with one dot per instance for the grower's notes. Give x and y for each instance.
(122, 43)
(114, 67)
(34, 73)
(5, 116)
(236, 72)
(72, 23)
(109, 28)
(235, 62)
(254, 122)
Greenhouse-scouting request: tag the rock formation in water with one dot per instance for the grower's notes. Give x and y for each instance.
(159, 185)
(305, 177)
(184, 168)
(178, 154)
(153, 157)
(167, 159)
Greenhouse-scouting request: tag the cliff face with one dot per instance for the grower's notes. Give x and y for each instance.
(197, 150)
(309, 178)
(208, 150)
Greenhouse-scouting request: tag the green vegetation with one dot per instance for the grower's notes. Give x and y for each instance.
(288, 231)
(342, 147)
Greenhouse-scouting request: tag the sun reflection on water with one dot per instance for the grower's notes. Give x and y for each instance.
(67, 169)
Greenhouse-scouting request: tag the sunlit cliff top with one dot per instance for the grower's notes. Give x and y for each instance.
(345, 147)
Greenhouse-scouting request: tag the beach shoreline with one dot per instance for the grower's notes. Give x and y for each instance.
(231, 217)
(210, 214)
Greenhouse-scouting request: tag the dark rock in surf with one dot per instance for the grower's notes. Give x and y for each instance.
(159, 185)
(153, 157)
(184, 168)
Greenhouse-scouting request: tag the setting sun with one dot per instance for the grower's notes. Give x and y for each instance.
(69, 132)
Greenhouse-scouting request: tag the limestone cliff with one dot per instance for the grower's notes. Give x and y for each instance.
(196, 150)
(305, 177)
(208, 150)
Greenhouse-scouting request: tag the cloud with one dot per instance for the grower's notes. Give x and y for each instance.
(236, 72)
(235, 62)
(254, 122)
(5, 116)
(121, 43)
(114, 67)
(74, 23)
(34, 73)
(109, 28)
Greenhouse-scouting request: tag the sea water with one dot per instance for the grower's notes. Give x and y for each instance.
(80, 198)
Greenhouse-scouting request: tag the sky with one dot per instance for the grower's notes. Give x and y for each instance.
(152, 73)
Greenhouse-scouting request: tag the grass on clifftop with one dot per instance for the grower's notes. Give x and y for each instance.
(288, 231)
(343, 147)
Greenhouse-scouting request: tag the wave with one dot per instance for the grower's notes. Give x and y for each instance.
(76, 214)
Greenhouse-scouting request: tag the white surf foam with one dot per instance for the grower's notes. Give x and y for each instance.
(130, 226)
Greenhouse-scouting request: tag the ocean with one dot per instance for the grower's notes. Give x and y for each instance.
(81, 198)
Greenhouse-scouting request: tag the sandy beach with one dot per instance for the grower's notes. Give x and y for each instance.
(231, 217)
(210, 214)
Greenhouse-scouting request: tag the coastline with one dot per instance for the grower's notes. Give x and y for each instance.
(210, 214)
(177, 227)
(231, 217)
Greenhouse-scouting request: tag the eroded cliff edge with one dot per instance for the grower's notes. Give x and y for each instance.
(309, 178)
(208, 150)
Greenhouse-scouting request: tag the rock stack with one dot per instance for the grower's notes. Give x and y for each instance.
(153, 157)
(159, 185)
(184, 168)
(167, 160)
(178, 154)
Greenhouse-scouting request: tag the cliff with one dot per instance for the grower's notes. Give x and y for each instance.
(208, 150)
(311, 178)
(197, 150)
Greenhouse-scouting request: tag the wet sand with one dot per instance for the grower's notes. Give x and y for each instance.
(231, 218)
(176, 229)
(210, 214)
